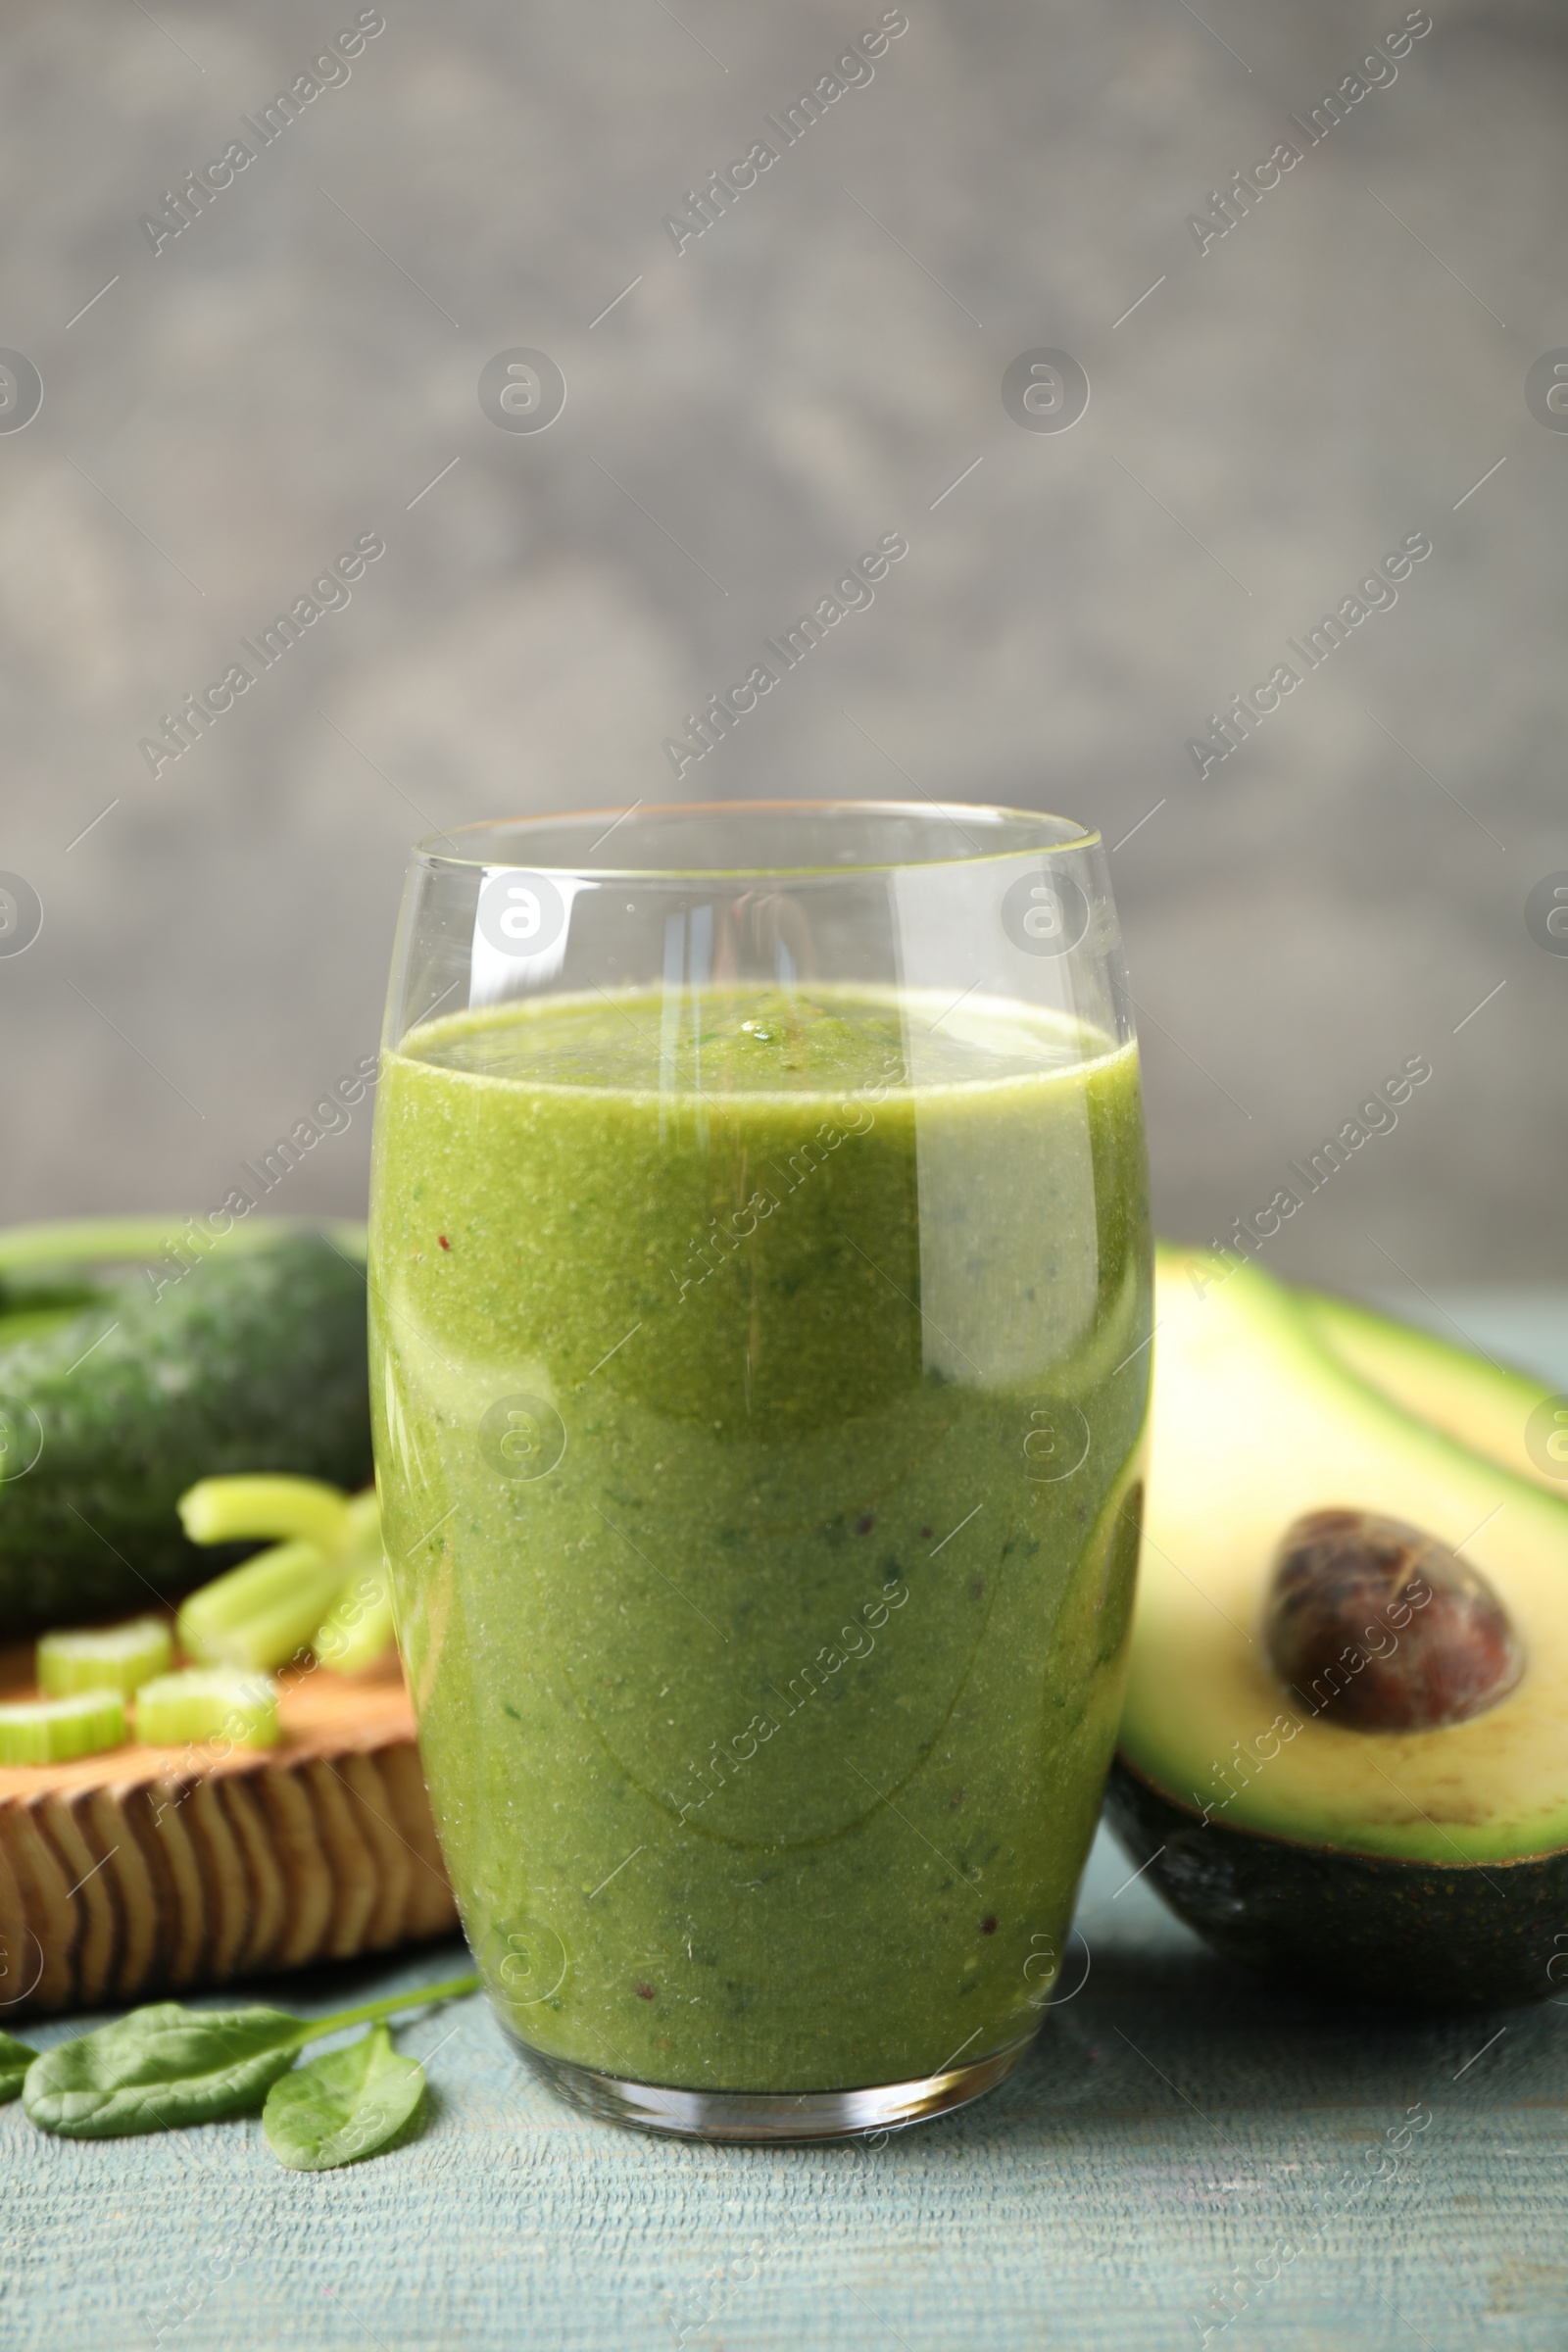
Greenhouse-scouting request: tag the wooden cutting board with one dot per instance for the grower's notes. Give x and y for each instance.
(153, 1869)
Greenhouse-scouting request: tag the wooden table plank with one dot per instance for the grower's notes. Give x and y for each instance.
(1180, 2120)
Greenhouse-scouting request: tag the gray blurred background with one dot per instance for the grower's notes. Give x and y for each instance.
(298, 365)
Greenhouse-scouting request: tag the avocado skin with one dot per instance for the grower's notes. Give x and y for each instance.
(1372, 1927)
(249, 1362)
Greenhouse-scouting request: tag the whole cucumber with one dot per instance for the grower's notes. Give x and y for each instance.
(253, 1360)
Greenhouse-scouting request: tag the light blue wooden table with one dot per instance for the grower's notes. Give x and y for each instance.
(1182, 2132)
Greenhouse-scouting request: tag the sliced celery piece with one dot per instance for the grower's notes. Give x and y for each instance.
(260, 1613)
(207, 1702)
(47, 1731)
(226, 1510)
(115, 1657)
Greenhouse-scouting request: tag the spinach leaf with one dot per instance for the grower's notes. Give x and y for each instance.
(342, 2106)
(15, 2060)
(164, 2066)
(161, 2067)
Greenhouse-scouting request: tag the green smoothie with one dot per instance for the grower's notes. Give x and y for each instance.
(760, 1384)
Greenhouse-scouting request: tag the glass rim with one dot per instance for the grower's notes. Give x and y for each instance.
(1056, 836)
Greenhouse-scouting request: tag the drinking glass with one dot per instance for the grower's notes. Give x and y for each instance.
(760, 1278)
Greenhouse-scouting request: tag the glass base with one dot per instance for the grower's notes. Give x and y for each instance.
(772, 2115)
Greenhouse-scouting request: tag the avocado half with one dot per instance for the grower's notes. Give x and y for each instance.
(1488, 1408)
(1424, 1866)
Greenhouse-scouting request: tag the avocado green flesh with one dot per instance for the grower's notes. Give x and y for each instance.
(1254, 1424)
(1479, 1404)
(1374, 1926)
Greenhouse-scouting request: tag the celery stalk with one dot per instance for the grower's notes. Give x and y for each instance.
(225, 1510)
(360, 1627)
(261, 1612)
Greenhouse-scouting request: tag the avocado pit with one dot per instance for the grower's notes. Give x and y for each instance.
(1379, 1627)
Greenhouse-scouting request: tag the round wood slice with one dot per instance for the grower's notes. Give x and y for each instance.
(150, 1869)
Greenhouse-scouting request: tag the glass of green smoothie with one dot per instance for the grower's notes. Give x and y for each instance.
(760, 1279)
